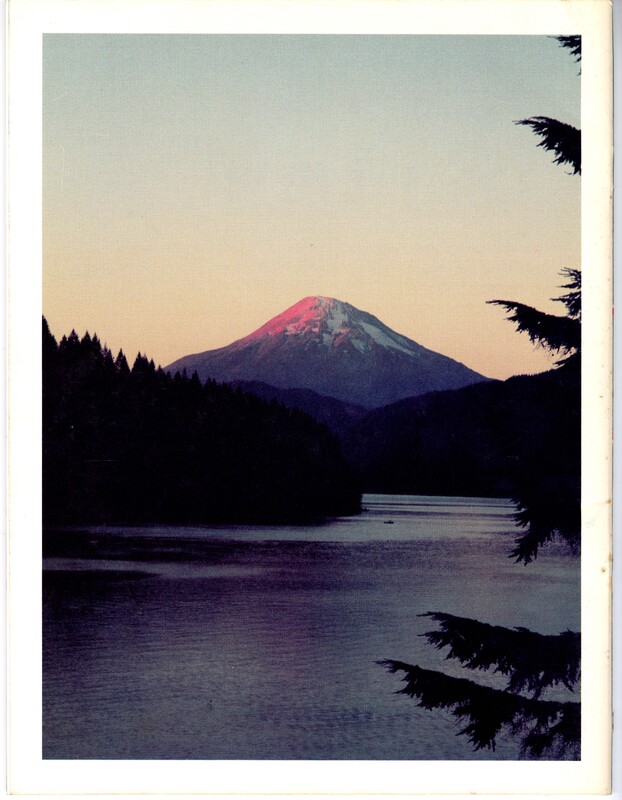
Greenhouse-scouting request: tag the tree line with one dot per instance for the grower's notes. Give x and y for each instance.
(137, 445)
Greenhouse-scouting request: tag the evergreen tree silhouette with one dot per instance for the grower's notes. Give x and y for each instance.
(546, 492)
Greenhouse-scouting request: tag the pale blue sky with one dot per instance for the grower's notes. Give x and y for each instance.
(195, 186)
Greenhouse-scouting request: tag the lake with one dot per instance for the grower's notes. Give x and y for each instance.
(262, 643)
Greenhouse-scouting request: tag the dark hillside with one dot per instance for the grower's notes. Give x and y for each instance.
(482, 440)
(335, 414)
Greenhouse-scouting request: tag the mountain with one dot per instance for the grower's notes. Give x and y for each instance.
(334, 349)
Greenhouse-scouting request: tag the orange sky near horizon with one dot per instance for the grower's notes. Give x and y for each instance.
(196, 186)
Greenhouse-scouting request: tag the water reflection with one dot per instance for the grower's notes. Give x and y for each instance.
(231, 643)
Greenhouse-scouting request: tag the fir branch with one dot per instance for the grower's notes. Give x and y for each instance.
(572, 300)
(548, 510)
(561, 334)
(572, 43)
(546, 726)
(561, 138)
(527, 546)
(532, 661)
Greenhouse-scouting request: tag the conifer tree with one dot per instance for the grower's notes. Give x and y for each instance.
(547, 498)
(121, 365)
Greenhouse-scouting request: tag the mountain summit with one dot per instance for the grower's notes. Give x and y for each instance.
(334, 349)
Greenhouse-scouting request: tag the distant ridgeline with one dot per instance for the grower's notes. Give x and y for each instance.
(483, 440)
(138, 445)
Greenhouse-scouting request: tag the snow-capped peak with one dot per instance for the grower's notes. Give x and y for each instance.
(332, 322)
(331, 347)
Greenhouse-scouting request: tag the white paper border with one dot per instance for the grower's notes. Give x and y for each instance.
(28, 20)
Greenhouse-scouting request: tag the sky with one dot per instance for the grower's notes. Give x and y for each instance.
(194, 186)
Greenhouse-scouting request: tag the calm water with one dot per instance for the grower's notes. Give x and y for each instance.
(229, 642)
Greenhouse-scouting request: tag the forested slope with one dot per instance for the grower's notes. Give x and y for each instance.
(483, 440)
(137, 445)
